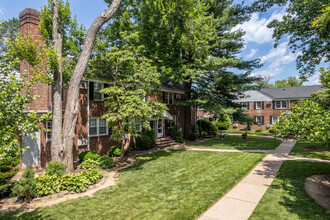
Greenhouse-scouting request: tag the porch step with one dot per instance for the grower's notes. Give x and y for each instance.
(166, 142)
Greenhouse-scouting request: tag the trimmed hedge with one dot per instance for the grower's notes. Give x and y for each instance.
(207, 128)
(93, 155)
(143, 142)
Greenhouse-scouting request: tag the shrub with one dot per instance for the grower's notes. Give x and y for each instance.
(92, 155)
(206, 128)
(106, 162)
(143, 142)
(176, 134)
(90, 164)
(7, 171)
(81, 155)
(193, 136)
(223, 122)
(259, 130)
(78, 182)
(25, 186)
(115, 151)
(55, 168)
(150, 134)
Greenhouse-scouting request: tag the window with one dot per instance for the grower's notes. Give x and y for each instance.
(49, 130)
(259, 119)
(169, 98)
(97, 94)
(280, 104)
(275, 119)
(258, 105)
(244, 105)
(98, 127)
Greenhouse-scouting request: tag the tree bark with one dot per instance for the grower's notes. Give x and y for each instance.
(124, 146)
(71, 110)
(187, 109)
(56, 144)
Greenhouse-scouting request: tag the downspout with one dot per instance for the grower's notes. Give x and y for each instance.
(88, 147)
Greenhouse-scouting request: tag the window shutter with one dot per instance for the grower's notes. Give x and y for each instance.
(262, 120)
(273, 104)
(248, 105)
(270, 120)
(255, 105)
(106, 86)
(263, 106)
(91, 90)
(174, 98)
(164, 97)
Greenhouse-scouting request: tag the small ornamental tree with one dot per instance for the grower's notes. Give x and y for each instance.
(309, 119)
(13, 120)
(133, 79)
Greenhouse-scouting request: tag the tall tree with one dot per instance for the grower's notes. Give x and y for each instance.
(9, 30)
(305, 37)
(289, 82)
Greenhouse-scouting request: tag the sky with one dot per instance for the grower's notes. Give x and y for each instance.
(278, 63)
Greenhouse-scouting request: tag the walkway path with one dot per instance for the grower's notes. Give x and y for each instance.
(240, 202)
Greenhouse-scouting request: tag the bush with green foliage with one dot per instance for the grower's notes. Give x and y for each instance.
(207, 128)
(90, 164)
(223, 122)
(78, 182)
(55, 168)
(193, 136)
(143, 142)
(176, 134)
(150, 134)
(93, 155)
(106, 162)
(115, 151)
(259, 130)
(7, 171)
(25, 186)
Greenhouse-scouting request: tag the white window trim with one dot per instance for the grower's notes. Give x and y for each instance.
(257, 105)
(281, 104)
(47, 127)
(273, 121)
(98, 128)
(167, 100)
(245, 107)
(258, 122)
(102, 94)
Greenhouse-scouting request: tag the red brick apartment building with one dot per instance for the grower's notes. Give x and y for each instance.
(92, 132)
(266, 105)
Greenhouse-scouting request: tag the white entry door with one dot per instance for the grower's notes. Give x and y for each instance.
(31, 157)
(160, 129)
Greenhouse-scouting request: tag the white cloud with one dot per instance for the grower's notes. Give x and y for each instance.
(2, 10)
(256, 29)
(315, 79)
(252, 53)
(279, 56)
(268, 72)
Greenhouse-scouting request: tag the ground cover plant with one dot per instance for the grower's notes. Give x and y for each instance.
(304, 148)
(237, 143)
(162, 185)
(286, 198)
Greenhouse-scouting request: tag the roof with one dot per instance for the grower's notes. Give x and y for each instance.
(292, 92)
(169, 84)
(254, 95)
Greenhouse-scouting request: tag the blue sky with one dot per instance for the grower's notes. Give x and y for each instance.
(278, 63)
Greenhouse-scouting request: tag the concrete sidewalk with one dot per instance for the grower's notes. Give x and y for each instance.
(240, 202)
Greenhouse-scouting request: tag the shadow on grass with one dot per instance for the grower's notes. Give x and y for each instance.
(287, 198)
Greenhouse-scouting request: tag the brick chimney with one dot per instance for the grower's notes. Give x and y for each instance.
(29, 25)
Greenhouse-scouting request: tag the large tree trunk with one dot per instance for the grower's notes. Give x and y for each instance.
(124, 146)
(71, 110)
(187, 109)
(56, 144)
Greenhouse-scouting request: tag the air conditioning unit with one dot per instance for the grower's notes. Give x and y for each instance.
(82, 142)
(235, 125)
(83, 85)
(268, 126)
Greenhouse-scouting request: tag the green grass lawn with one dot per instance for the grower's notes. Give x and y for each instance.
(162, 185)
(300, 151)
(237, 143)
(286, 198)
